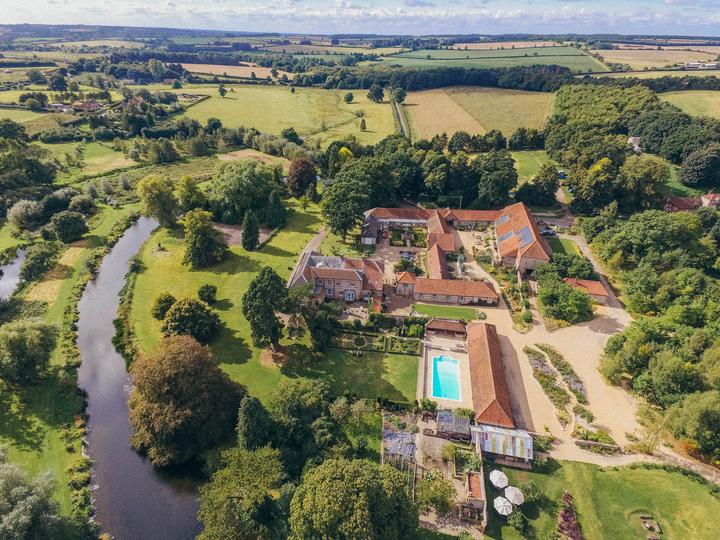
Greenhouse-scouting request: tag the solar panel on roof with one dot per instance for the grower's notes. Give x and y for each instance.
(526, 236)
(502, 219)
(505, 236)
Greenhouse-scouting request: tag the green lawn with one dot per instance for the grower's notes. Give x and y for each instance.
(609, 502)
(372, 375)
(233, 348)
(445, 312)
(31, 418)
(563, 245)
(317, 114)
(528, 162)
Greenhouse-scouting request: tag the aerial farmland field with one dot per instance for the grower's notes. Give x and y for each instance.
(475, 110)
(316, 114)
(570, 57)
(489, 45)
(662, 73)
(655, 58)
(235, 71)
(695, 102)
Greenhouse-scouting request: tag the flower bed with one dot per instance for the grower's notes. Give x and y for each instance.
(572, 379)
(567, 522)
(547, 378)
(363, 342)
(403, 345)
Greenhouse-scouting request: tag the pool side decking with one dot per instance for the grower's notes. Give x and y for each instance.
(435, 346)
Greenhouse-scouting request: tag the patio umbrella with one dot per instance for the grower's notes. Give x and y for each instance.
(498, 479)
(514, 495)
(502, 506)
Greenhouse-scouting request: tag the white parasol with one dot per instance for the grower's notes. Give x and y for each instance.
(514, 495)
(503, 506)
(498, 479)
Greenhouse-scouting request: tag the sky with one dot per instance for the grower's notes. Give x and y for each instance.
(419, 17)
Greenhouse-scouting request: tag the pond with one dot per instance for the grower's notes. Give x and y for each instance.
(132, 498)
(10, 275)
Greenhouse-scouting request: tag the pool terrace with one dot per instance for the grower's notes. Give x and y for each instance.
(447, 347)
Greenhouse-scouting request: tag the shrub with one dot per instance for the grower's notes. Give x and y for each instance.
(68, 226)
(527, 317)
(83, 204)
(192, 317)
(207, 293)
(518, 521)
(39, 258)
(163, 302)
(26, 214)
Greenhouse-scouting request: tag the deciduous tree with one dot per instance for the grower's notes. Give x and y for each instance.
(191, 317)
(182, 402)
(352, 499)
(25, 349)
(157, 199)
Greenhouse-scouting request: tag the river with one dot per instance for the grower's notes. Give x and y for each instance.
(10, 275)
(133, 499)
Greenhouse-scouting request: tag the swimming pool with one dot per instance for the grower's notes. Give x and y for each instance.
(446, 378)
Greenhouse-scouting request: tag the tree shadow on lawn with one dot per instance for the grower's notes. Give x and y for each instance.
(347, 374)
(233, 263)
(275, 251)
(223, 305)
(27, 411)
(301, 222)
(230, 348)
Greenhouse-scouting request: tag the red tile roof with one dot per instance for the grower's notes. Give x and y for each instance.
(520, 235)
(673, 203)
(406, 277)
(471, 215)
(590, 286)
(491, 400)
(400, 213)
(475, 486)
(455, 287)
(372, 270)
(445, 325)
(437, 263)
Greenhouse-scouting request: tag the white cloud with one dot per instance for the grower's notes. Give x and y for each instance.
(387, 16)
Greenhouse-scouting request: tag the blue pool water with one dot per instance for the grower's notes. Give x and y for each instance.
(446, 378)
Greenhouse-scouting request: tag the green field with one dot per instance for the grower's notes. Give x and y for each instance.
(660, 73)
(563, 245)
(695, 102)
(569, 57)
(20, 115)
(475, 110)
(99, 158)
(609, 502)
(316, 114)
(529, 162)
(31, 419)
(445, 312)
